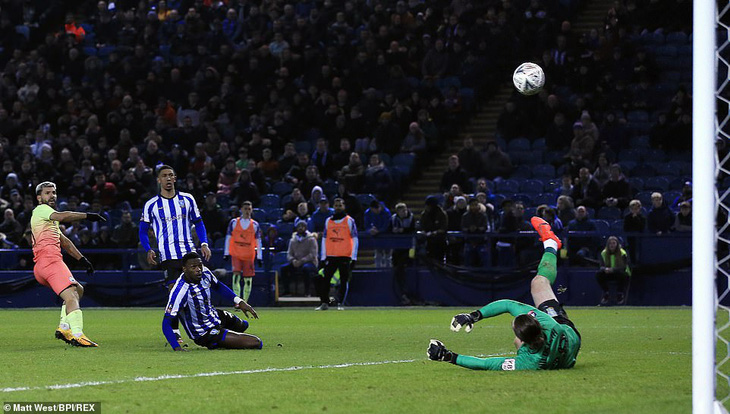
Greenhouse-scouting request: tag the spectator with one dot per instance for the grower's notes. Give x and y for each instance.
(213, 217)
(634, 222)
(683, 219)
(311, 180)
(315, 198)
(685, 196)
(377, 179)
(454, 175)
(271, 241)
(244, 190)
(586, 191)
(602, 173)
(322, 159)
(617, 191)
(558, 134)
(454, 214)
(402, 222)
(581, 247)
(377, 221)
(614, 267)
(495, 162)
(510, 124)
(228, 177)
(11, 183)
(286, 160)
(474, 222)
(129, 190)
(435, 62)
(582, 145)
(352, 175)
(302, 256)
(353, 207)
(319, 216)
(295, 198)
(415, 141)
(566, 187)
(10, 227)
(125, 234)
(660, 218)
(434, 224)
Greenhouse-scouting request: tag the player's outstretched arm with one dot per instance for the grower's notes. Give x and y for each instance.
(71, 216)
(465, 320)
(239, 303)
(169, 334)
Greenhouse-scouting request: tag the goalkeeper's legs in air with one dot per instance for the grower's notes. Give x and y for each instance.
(541, 286)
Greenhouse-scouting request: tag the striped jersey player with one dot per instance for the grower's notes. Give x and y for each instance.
(190, 302)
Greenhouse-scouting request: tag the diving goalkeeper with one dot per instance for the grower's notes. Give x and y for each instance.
(544, 336)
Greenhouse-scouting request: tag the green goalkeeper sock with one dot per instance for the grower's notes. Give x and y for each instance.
(237, 284)
(63, 324)
(76, 320)
(548, 265)
(246, 288)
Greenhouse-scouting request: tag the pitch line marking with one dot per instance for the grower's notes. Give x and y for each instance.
(201, 374)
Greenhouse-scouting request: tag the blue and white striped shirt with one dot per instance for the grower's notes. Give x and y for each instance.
(191, 303)
(172, 220)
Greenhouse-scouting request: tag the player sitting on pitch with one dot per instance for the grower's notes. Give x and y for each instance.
(204, 324)
(544, 336)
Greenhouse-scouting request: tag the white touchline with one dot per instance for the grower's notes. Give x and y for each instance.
(201, 374)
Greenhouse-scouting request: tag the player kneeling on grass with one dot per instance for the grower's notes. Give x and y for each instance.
(544, 336)
(204, 324)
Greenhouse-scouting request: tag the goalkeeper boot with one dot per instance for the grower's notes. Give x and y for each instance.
(437, 352)
(83, 342)
(64, 335)
(545, 231)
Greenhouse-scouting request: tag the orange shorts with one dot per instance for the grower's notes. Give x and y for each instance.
(54, 273)
(246, 267)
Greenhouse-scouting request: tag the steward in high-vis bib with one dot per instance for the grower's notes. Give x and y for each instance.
(339, 251)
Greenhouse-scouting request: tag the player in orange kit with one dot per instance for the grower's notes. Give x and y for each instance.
(243, 245)
(50, 270)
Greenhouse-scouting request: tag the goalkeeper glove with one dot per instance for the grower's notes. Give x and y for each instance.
(467, 320)
(95, 217)
(437, 352)
(87, 264)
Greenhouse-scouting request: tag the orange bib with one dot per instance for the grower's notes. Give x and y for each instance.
(339, 238)
(243, 241)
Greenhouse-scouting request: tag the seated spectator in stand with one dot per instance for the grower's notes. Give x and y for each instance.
(683, 219)
(454, 175)
(510, 124)
(298, 171)
(582, 246)
(126, 233)
(287, 159)
(244, 190)
(566, 185)
(559, 133)
(495, 162)
(454, 254)
(377, 180)
(582, 145)
(433, 224)
(470, 159)
(294, 200)
(402, 222)
(617, 191)
(311, 180)
(11, 183)
(315, 198)
(685, 196)
(352, 174)
(550, 215)
(377, 221)
(301, 213)
(586, 191)
(103, 190)
(213, 217)
(129, 190)
(634, 222)
(342, 158)
(602, 173)
(660, 218)
(322, 159)
(415, 141)
(228, 177)
(474, 223)
(10, 227)
(271, 242)
(319, 216)
(97, 208)
(302, 256)
(78, 188)
(353, 206)
(450, 196)
(614, 267)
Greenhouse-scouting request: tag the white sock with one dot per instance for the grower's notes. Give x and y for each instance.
(176, 331)
(550, 243)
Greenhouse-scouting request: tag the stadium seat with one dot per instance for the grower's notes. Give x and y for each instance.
(279, 260)
(617, 227)
(282, 188)
(386, 159)
(666, 50)
(404, 160)
(656, 184)
(543, 171)
(609, 213)
(303, 146)
(526, 199)
(640, 142)
(260, 215)
(591, 212)
(627, 166)
(539, 144)
(632, 155)
(546, 198)
(365, 200)
(331, 187)
(518, 144)
(637, 116)
(507, 186)
(637, 184)
(270, 201)
(285, 229)
(532, 186)
(643, 170)
(681, 167)
(275, 214)
(677, 38)
(645, 198)
(603, 227)
(521, 172)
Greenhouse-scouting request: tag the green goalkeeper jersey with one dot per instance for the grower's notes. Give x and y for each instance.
(560, 350)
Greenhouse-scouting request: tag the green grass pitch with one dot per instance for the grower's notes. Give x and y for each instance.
(633, 360)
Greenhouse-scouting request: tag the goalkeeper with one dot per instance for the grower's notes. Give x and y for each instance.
(544, 336)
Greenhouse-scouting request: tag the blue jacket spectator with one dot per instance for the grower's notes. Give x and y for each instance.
(660, 219)
(377, 217)
(581, 246)
(315, 224)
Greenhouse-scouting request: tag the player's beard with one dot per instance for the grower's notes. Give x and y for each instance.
(51, 202)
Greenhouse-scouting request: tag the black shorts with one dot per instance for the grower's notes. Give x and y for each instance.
(214, 338)
(172, 269)
(553, 308)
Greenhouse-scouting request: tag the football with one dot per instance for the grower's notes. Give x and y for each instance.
(528, 78)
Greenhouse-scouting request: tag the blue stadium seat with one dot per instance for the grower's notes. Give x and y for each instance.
(532, 186)
(260, 215)
(331, 187)
(521, 172)
(365, 199)
(643, 170)
(539, 144)
(655, 155)
(639, 142)
(632, 155)
(645, 198)
(603, 227)
(303, 146)
(285, 229)
(637, 116)
(670, 196)
(274, 215)
(682, 167)
(678, 183)
(519, 144)
(543, 171)
(219, 243)
(656, 184)
(664, 168)
(526, 199)
(404, 160)
(279, 260)
(282, 188)
(609, 213)
(627, 166)
(546, 198)
(677, 38)
(270, 201)
(637, 184)
(507, 186)
(666, 50)
(386, 158)
(617, 227)
(591, 212)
